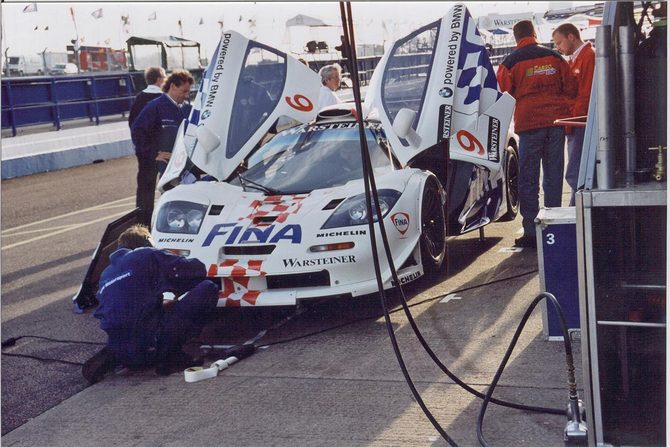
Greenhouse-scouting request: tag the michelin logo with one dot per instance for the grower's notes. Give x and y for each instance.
(343, 233)
(176, 239)
(409, 278)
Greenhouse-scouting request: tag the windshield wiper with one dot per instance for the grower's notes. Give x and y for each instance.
(250, 183)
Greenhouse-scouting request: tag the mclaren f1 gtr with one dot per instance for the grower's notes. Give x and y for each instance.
(267, 190)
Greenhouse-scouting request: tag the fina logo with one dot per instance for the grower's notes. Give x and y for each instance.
(401, 222)
(446, 92)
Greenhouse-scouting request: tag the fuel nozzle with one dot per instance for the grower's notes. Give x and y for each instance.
(659, 168)
(575, 433)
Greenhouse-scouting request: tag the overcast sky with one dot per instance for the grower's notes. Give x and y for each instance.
(52, 27)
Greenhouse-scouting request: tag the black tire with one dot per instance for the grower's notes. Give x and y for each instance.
(433, 238)
(511, 184)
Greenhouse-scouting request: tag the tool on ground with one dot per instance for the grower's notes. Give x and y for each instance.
(231, 356)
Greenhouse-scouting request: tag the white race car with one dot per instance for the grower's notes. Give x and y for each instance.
(269, 194)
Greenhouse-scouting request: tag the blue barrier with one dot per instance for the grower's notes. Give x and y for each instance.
(52, 99)
(28, 101)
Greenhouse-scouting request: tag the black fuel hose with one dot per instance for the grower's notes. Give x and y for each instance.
(372, 199)
(368, 180)
(415, 328)
(572, 384)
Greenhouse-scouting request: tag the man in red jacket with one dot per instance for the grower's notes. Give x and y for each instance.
(582, 60)
(540, 81)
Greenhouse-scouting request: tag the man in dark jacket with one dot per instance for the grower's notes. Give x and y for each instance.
(540, 81)
(155, 77)
(142, 330)
(154, 132)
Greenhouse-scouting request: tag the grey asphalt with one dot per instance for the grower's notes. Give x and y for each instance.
(44, 258)
(329, 376)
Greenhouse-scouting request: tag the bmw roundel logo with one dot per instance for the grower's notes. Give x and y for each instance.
(446, 92)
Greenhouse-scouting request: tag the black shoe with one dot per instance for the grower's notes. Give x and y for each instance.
(526, 241)
(97, 366)
(176, 363)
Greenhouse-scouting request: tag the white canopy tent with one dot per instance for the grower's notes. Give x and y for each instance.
(302, 29)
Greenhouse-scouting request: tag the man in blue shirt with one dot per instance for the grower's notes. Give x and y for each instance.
(154, 132)
(142, 330)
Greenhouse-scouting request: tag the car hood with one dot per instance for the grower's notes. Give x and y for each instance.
(239, 208)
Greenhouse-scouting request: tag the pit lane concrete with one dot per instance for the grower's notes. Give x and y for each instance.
(339, 387)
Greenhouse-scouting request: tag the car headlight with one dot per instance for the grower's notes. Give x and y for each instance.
(181, 217)
(353, 211)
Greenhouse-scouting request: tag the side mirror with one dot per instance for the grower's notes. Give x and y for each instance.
(402, 126)
(207, 139)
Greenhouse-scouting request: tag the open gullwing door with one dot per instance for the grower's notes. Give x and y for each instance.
(438, 84)
(247, 90)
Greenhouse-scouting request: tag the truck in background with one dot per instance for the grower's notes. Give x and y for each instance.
(90, 58)
(54, 63)
(24, 65)
(47, 62)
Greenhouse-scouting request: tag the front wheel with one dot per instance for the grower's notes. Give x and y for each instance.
(511, 184)
(433, 229)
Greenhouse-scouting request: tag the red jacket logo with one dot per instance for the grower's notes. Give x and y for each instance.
(401, 222)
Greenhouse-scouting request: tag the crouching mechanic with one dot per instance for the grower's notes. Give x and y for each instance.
(141, 330)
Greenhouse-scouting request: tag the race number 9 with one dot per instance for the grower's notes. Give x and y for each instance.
(300, 103)
(469, 142)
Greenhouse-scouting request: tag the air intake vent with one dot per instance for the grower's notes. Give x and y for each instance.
(215, 210)
(336, 113)
(248, 250)
(296, 280)
(264, 220)
(332, 204)
(408, 263)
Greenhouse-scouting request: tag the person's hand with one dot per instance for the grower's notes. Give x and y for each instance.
(163, 156)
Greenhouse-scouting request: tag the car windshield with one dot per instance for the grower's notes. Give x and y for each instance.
(306, 158)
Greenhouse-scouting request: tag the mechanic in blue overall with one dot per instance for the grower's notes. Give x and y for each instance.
(154, 132)
(143, 330)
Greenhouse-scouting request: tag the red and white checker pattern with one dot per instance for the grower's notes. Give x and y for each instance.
(235, 276)
(280, 206)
